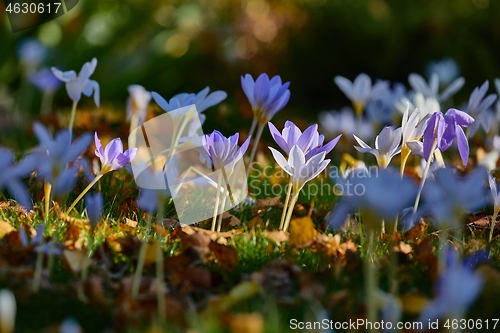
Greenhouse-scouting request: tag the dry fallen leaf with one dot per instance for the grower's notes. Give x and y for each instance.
(256, 221)
(74, 259)
(302, 231)
(5, 228)
(417, 231)
(266, 203)
(403, 248)
(246, 323)
(226, 256)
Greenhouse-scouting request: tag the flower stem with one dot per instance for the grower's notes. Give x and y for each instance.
(223, 204)
(253, 127)
(443, 239)
(493, 222)
(96, 179)
(85, 268)
(134, 122)
(371, 280)
(160, 290)
(37, 278)
(285, 206)
(260, 129)
(424, 176)
(47, 187)
(295, 197)
(140, 264)
(405, 154)
(72, 119)
(217, 198)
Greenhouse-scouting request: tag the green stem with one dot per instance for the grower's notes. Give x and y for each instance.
(371, 280)
(443, 239)
(424, 176)
(295, 197)
(217, 198)
(223, 204)
(72, 119)
(38, 266)
(140, 264)
(260, 129)
(47, 187)
(160, 291)
(285, 206)
(96, 179)
(493, 222)
(253, 127)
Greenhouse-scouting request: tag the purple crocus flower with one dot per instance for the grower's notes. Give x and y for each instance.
(76, 85)
(12, 174)
(309, 141)
(113, 157)
(57, 153)
(94, 204)
(224, 151)
(266, 96)
(456, 288)
(444, 128)
(45, 80)
(362, 191)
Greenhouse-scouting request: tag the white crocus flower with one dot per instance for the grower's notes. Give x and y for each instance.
(418, 83)
(300, 171)
(7, 311)
(76, 85)
(387, 145)
(495, 195)
(361, 90)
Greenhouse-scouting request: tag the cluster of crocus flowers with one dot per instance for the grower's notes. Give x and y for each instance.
(76, 85)
(267, 97)
(224, 153)
(306, 159)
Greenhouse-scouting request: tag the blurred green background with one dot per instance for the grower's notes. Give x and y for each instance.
(183, 46)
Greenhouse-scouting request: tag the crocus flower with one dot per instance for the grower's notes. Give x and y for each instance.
(441, 131)
(7, 311)
(495, 196)
(456, 288)
(224, 151)
(113, 157)
(266, 96)
(202, 100)
(94, 208)
(137, 103)
(360, 91)
(45, 80)
(455, 195)
(478, 107)
(431, 89)
(70, 325)
(76, 85)
(57, 153)
(365, 196)
(446, 69)
(310, 141)
(300, 169)
(387, 145)
(12, 174)
(31, 52)
(344, 122)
